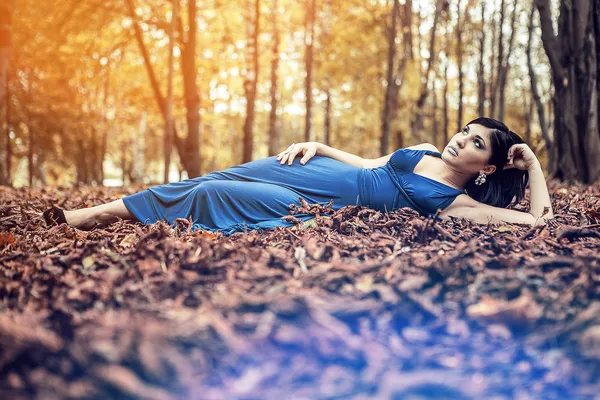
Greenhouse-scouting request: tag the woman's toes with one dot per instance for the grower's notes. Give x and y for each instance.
(68, 216)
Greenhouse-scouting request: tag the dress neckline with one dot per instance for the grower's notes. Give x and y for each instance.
(436, 154)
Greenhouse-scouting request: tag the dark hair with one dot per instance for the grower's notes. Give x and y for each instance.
(504, 185)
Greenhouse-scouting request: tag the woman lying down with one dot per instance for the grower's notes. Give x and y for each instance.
(481, 171)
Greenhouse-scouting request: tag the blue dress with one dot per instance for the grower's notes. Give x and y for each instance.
(255, 195)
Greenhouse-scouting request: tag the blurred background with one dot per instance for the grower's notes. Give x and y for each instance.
(147, 91)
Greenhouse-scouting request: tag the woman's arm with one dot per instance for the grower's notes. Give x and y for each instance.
(540, 199)
(540, 209)
(381, 161)
(324, 150)
(466, 207)
(309, 149)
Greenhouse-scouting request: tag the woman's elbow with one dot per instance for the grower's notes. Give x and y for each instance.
(537, 221)
(542, 220)
(366, 163)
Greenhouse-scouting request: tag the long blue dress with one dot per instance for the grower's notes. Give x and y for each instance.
(255, 195)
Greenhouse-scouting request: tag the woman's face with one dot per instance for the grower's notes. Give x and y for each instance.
(470, 150)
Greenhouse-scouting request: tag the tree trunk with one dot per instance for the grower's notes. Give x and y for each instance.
(504, 65)
(250, 84)
(445, 104)
(82, 166)
(30, 140)
(6, 10)
(273, 134)
(192, 98)
(435, 126)
(327, 124)
(417, 121)
(407, 28)
(419, 38)
(309, 34)
(40, 170)
(105, 125)
(498, 61)
(386, 115)
(190, 161)
(124, 151)
(398, 82)
(538, 100)
(481, 73)
(574, 62)
(528, 117)
(138, 150)
(169, 101)
(30, 152)
(445, 116)
(93, 155)
(459, 62)
(8, 160)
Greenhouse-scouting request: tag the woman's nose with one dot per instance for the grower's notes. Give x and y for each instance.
(460, 141)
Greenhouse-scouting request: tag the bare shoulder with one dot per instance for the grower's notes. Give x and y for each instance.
(424, 146)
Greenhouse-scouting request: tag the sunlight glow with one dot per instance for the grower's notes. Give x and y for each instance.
(293, 109)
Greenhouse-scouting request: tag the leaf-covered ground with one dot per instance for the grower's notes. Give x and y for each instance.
(363, 305)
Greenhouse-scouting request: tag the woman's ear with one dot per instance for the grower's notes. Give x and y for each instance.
(489, 169)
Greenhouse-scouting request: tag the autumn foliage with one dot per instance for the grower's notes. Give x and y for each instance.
(358, 304)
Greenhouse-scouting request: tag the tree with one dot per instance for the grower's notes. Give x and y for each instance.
(537, 98)
(573, 60)
(191, 151)
(273, 134)
(417, 121)
(327, 119)
(407, 56)
(326, 40)
(481, 68)
(188, 149)
(6, 10)
(459, 62)
(493, 62)
(251, 80)
(309, 33)
(386, 115)
(503, 63)
(169, 101)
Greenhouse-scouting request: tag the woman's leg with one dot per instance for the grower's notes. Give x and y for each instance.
(213, 204)
(104, 214)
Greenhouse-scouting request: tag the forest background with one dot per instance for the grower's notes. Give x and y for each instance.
(148, 91)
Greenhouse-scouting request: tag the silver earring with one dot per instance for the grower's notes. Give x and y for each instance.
(480, 179)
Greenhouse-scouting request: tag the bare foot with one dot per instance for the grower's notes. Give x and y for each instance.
(106, 219)
(80, 219)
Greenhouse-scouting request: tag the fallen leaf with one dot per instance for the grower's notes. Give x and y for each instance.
(88, 261)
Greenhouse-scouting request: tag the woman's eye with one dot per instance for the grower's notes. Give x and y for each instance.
(477, 144)
(465, 132)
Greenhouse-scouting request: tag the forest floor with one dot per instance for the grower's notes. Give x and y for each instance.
(362, 305)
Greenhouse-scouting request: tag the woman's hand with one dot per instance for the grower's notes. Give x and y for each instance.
(520, 156)
(308, 149)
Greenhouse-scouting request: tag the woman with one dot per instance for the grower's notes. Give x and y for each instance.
(482, 170)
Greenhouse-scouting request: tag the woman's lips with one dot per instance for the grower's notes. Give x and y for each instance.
(452, 151)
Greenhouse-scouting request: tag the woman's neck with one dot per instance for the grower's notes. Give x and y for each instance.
(451, 176)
